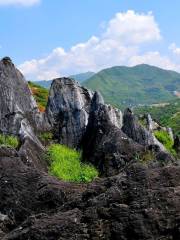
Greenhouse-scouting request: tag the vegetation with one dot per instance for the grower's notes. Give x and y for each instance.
(9, 141)
(40, 94)
(167, 115)
(166, 140)
(145, 157)
(46, 137)
(131, 86)
(65, 163)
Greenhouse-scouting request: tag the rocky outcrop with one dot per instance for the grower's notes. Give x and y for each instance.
(140, 203)
(68, 110)
(16, 102)
(19, 114)
(104, 144)
(137, 132)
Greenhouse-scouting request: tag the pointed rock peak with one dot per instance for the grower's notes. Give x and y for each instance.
(129, 117)
(98, 97)
(7, 60)
(97, 100)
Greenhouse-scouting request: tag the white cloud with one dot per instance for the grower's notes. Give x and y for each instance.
(154, 58)
(174, 49)
(120, 44)
(133, 28)
(25, 3)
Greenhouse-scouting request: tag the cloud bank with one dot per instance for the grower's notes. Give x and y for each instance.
(120, 44)
(25, 3)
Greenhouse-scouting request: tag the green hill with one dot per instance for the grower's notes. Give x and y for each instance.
(132, 86)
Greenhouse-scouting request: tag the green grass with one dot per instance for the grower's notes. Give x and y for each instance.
(9, 141)
(166, 140)
(65, 164)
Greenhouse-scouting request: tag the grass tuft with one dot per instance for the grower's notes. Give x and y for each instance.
(166, 140)
(65, 164)
(9, 141)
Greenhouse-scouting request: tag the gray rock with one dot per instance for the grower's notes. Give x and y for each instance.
(68, 110)
(138, 133)
(19, 114)
(16, 102)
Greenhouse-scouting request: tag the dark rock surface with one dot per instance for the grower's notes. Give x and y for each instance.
(177, 143)
(104, 144)
(140, 203)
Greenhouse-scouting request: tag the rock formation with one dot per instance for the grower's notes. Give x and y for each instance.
(138, 133)
(138, 196)
(19, 114)
(68, 110)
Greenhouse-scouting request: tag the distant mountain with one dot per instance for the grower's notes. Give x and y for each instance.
(45, 84)
(131, 86)
(82, 76)
(79, 77)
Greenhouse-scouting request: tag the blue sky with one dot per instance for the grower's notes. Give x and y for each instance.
(50, 38)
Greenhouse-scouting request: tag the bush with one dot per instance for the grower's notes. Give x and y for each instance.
(9, 141)
(166, 140)
(65, 163)
(40, 94)
(46, 137)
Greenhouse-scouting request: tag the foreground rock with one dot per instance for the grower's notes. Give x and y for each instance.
(140, 203)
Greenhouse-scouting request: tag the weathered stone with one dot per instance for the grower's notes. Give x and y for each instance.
(68, 110)
(104, 144)
(138, 133)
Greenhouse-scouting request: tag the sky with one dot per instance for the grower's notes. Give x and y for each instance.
(52, 38)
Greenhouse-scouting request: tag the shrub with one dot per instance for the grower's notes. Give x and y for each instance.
(9, 141)
(65, 163)
(166, 140)
(46, 137)
(40, 94)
